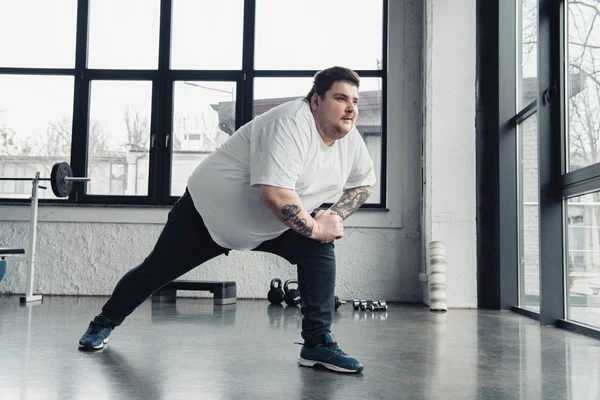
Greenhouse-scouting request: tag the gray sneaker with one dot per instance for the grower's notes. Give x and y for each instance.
(96, 336)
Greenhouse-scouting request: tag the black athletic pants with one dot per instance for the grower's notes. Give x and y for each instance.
(185, 244)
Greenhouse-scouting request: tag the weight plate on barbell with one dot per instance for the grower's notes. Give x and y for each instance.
(60, 186)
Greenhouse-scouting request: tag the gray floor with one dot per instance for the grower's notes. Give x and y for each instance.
(194, 350)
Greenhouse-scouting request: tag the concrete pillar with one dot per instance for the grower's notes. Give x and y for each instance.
(449, 203)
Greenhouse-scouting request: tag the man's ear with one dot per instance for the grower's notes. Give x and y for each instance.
(314, 102)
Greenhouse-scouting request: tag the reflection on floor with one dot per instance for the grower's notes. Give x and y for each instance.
(191, 349)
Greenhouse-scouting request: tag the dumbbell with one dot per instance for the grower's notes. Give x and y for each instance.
(378, 305)
(359, 304)
(338, 303)
(291, 295)
(374, 305)
(363, 305)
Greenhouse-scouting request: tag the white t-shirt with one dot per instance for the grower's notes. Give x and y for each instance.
(282, 148)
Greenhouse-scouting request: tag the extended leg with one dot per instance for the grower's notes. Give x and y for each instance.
(183, 244)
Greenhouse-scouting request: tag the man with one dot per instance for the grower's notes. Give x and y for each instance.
(257, 192)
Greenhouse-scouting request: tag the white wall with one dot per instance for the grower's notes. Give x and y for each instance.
(85, 250)
(89, 258)
(449, 144)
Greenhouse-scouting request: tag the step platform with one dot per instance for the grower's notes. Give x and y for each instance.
(7, 251)
(224, 291)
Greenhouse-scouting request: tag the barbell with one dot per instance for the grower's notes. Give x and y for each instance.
(61, 179)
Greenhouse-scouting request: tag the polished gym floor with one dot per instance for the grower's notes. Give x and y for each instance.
(192, 349)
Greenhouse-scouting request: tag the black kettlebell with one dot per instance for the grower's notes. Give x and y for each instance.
(275, 295)
(291, 296)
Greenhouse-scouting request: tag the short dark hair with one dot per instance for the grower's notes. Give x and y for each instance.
(324, 80)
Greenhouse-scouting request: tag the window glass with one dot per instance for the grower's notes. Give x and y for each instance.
(123, 34)
(317, 34)
(36, 118)
(583, 85)
(583, 259)
(119, 138)
(38, 33)
(203, 119)
(529, 249)
(207, 34)
(527, 84)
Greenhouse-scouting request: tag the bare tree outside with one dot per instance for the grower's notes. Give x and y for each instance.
(7, 139)
(56, 141)
(138, 130)
(529, 31)
(7, 144)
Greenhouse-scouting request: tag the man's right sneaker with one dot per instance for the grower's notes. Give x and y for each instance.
(329, 355)
(97, 333)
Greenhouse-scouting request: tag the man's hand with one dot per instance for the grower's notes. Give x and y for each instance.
(328, 226)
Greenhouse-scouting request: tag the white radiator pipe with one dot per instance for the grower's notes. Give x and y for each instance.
(438, 296)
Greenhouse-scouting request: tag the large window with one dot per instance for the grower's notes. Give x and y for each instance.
(135, 93)
(549, 160)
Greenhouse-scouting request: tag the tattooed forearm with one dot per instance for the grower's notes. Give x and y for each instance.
(290, 213)
(351, 200)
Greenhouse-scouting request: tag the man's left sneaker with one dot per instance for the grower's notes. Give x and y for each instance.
(96, 335)
(330, 356)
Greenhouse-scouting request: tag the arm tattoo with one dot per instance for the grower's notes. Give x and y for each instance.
(290, 213)
(351, 200)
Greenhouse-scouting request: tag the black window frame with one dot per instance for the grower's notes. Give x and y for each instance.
(497, 122)
(163, 78)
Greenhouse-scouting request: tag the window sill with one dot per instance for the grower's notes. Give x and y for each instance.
(150, 214)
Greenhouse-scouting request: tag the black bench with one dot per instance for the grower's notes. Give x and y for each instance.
(224, 292)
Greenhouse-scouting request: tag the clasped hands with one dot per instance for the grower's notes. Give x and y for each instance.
(328, 226)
